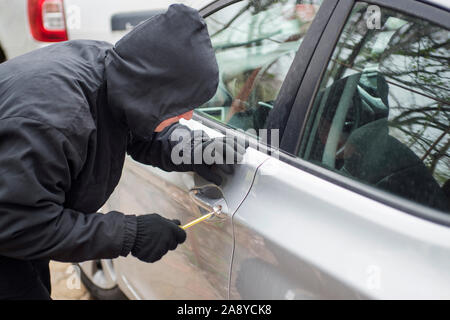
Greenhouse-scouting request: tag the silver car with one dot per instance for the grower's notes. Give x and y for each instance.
(26, 25)
(344, 192)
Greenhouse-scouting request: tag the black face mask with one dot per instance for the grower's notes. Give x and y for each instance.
(164, 67)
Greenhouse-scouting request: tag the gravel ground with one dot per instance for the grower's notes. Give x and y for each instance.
(66, 284)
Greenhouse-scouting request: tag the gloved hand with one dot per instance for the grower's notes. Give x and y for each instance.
(155, 236)
(168, 148)
(207, 154)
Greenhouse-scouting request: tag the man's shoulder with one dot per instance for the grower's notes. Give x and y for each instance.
(57, 85)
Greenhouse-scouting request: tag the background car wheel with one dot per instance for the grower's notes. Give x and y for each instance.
(100, 279)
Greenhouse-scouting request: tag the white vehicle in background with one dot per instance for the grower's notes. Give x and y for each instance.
(26, 25)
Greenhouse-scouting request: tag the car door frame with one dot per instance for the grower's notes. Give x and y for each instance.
(290, 141)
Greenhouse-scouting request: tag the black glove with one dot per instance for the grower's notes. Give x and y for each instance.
(177, 139)
(155, 236)
(214, 153)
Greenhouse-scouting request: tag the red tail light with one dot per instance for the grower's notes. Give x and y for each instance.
(47, 21)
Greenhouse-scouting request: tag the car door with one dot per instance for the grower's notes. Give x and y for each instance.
(357, 204)
(256, 46)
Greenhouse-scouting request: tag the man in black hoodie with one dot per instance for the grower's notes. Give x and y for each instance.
(69, 113)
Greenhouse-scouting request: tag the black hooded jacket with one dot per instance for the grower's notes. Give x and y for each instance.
(69, 112)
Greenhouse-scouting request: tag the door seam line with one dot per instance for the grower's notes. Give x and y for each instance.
(232, 226)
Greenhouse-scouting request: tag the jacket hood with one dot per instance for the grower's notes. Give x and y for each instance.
(164, 67)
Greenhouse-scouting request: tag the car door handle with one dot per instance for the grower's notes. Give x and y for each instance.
(210, 198)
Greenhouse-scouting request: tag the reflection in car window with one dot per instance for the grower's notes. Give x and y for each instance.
(255, 44)
(381, 115)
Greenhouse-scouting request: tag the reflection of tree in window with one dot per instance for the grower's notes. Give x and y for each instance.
(415, 64)
(382, 113)
(255, 44)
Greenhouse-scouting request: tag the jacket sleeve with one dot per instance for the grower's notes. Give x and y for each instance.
(157, 152)
(37, 165)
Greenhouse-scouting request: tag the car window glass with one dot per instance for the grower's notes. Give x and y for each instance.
(255, 43)
(381, 115)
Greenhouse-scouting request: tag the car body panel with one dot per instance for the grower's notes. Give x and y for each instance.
(85, 22)
(15, 36)
(317, 240)
(199, 268)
